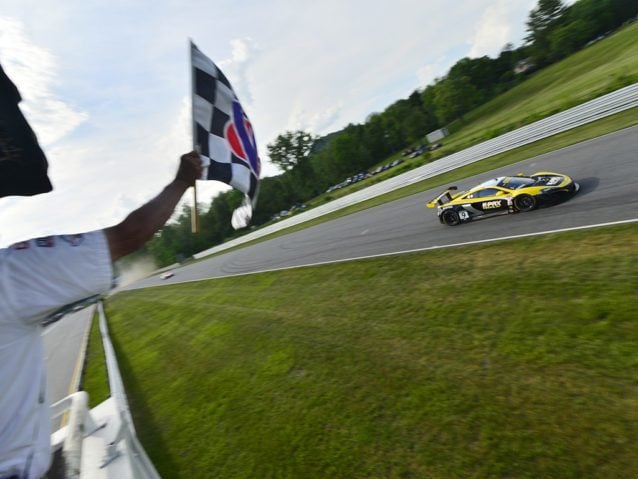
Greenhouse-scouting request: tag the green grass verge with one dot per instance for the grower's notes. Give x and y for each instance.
(595, 129)
(95, 379)
(515, 359)
(594, 71)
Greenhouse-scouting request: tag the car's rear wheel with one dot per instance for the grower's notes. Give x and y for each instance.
(524, 203)
(450, 217)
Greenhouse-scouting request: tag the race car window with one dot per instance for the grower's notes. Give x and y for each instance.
(486, 192)
(516, 182)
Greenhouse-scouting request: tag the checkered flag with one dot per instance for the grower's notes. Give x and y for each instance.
(223, 135)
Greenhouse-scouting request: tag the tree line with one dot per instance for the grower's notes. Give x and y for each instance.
(311, 164)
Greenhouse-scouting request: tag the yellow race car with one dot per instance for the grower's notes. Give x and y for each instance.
(507, 194)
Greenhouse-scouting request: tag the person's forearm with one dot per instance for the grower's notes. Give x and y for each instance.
(140, 225)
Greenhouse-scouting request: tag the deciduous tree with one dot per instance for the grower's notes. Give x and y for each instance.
(290, 148)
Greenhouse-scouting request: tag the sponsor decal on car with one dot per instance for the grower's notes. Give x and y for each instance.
(491, 204)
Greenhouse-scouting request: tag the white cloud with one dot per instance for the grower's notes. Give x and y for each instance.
(495, 28)
(244, 53)
(33, 69)
(325, 118)
(427, 74)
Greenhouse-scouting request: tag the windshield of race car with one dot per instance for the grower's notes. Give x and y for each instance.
(516, 182)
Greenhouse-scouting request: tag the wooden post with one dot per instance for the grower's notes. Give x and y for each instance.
(194, 211)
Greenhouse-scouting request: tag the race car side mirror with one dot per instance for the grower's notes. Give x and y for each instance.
(452, 188)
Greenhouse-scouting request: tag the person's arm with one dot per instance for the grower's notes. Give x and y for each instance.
(139, 226)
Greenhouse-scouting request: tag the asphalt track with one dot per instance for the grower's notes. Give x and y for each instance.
(606, 169)
(62, 347)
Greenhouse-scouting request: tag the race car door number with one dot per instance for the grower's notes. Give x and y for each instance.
(554, 180)
(464, 215)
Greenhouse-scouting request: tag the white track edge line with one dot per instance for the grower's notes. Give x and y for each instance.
(396, 253)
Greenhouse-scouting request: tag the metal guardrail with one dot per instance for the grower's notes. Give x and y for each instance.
(593, 110)
(80, 424)
(143, 467)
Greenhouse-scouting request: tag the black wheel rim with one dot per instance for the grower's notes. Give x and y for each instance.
(451, 218)
(525, 202)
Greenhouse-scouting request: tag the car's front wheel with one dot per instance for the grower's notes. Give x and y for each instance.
(450, 218)
(524, 203)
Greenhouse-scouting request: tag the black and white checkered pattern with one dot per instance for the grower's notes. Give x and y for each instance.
(216, 109)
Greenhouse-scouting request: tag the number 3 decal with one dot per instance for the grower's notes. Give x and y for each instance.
(553, 181)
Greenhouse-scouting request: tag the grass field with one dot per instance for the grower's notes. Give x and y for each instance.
(94, 375)
(598, 69)
(516, 359)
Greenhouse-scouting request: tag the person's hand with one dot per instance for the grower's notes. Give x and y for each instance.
(190, 168)
(140, 226)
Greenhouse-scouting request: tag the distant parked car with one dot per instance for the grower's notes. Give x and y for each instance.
(435, 146)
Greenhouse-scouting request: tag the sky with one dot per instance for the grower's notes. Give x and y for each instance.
(106, 84)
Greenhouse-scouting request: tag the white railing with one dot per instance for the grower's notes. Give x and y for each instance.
(120, 440)
(126, 437)
(593, 110)
(71, 437)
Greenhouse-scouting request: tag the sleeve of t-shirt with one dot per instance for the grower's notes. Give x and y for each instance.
(44, 274)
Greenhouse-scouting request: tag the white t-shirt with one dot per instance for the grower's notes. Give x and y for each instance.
(36, 278)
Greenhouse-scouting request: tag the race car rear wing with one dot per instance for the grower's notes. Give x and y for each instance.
(443, 198)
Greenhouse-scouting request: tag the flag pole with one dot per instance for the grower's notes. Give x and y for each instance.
(194, 210)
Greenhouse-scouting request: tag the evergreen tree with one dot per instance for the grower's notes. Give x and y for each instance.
(541, 21)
